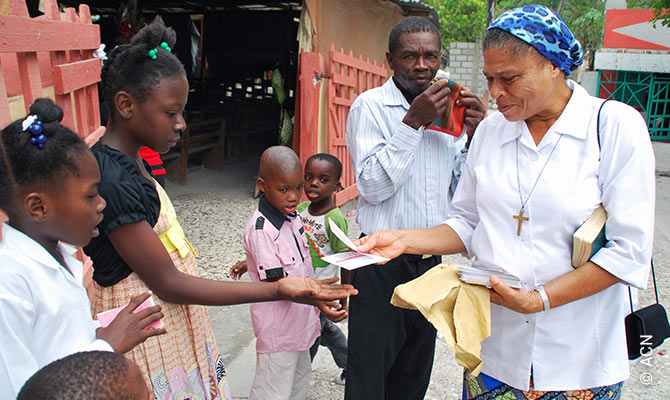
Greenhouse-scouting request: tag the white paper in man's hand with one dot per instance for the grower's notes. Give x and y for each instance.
(350, 259)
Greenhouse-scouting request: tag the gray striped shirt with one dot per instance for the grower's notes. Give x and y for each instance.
(405, 176)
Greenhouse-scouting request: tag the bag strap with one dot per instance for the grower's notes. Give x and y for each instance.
(653, 272)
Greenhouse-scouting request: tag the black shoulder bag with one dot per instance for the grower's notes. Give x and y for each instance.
(648, 327)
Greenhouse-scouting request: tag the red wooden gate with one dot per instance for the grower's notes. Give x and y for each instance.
(66, 42)
(349, 76)
(69, 41)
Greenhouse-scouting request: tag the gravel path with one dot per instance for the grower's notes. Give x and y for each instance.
(214, 223)
(214, 210)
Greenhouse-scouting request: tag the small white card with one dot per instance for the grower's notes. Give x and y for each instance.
(350, 259)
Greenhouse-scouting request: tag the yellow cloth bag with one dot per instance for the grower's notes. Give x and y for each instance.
(458, 310)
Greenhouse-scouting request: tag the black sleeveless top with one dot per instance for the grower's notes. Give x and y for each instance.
(130, 197)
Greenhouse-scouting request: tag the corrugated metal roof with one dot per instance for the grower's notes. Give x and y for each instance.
(111, 7)
(633, 60)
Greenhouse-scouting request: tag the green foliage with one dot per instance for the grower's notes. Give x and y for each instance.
(661, 13)
(278, 86)
(285, 128)
(460, 20)
(659, 7)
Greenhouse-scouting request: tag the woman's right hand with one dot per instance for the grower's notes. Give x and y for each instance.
(389, 244)
(127, 329)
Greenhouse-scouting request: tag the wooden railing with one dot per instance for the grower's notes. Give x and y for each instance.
(349, 77)
(66, 43)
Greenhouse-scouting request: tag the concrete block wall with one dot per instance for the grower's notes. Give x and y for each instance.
(466, 64)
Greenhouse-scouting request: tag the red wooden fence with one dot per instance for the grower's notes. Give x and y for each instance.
(349, 76)
(67, 41)
(311, 68)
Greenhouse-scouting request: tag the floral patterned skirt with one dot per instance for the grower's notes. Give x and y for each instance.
(485, 387)
(185, 362)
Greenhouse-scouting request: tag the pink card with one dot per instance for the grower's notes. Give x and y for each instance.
(105, 318)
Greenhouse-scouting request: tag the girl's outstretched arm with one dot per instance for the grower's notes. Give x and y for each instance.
(142, 250)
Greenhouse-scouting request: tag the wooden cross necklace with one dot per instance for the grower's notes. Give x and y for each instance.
(520, 218)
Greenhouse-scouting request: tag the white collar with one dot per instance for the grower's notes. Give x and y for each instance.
(29, 248)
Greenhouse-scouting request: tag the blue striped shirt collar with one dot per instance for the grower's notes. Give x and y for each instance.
(392, 96)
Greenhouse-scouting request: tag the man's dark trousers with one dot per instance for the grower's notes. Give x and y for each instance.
(390, 349)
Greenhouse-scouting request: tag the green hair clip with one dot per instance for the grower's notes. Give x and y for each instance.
(153, 52)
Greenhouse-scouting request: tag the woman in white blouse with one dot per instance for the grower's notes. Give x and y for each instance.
(537, 169)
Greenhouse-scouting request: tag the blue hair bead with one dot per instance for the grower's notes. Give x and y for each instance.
(41, 139)
(40, 146)
(33, 140)
(35, 129)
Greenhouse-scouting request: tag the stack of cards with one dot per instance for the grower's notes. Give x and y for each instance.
(480, 275)
(105, 318)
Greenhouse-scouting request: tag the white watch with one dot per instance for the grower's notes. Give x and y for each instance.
(543, 296)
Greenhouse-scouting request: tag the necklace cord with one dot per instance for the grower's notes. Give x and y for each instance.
(518, 180)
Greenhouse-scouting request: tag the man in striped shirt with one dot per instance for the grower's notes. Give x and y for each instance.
(404, 173)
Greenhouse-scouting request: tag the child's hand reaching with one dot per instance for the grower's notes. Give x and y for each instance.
(239, 269)
(332, 310)
(306, 290)
(127, 329)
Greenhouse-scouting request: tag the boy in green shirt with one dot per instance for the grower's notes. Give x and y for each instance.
(322, 179)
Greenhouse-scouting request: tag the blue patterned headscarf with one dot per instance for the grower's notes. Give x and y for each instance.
(542, 28)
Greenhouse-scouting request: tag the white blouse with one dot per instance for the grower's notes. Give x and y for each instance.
(581, 344)
(45, 312)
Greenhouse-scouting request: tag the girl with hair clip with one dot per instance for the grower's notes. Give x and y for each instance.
(49, 190)
(141, 244)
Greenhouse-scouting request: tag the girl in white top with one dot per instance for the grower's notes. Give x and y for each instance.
(534, 174)
(48, 189)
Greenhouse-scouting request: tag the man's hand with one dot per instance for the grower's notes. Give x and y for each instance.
(474, 113)
(306, 290)
(428, 106)
(387, 244)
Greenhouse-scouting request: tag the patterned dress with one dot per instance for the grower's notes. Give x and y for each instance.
(485, 387)
(184, 363)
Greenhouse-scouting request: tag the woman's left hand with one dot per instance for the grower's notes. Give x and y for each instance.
(519, 300)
